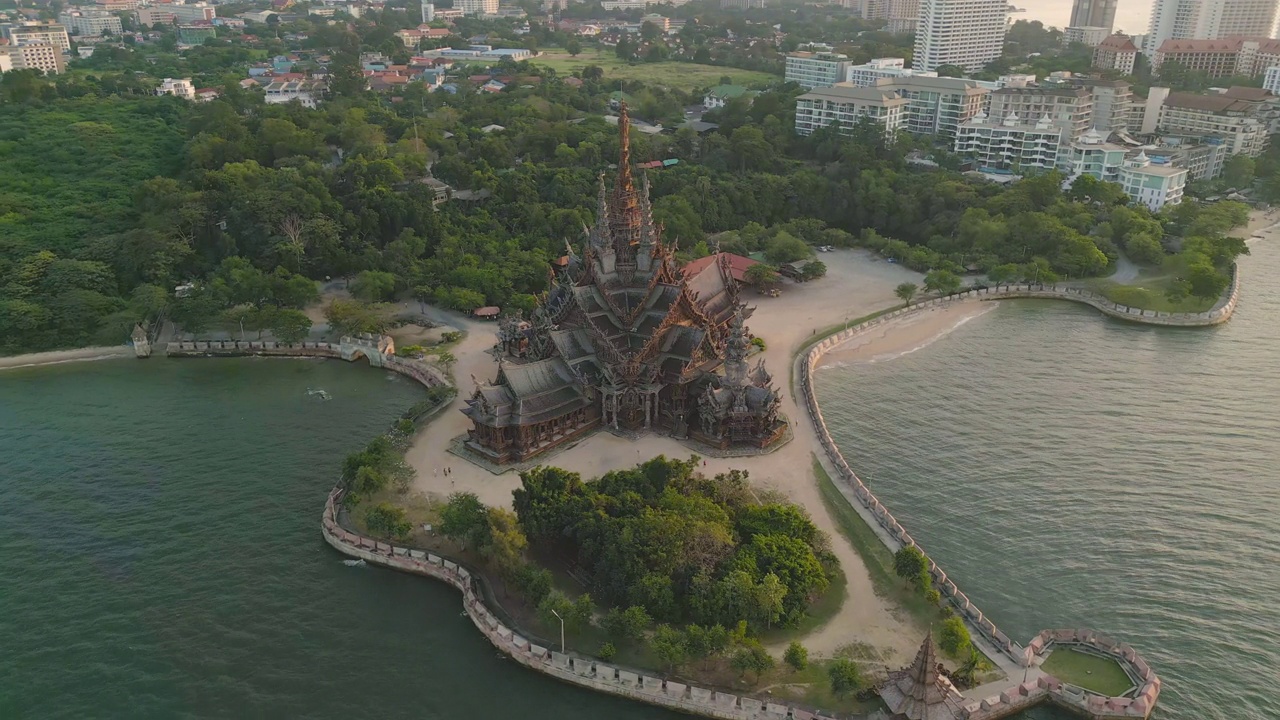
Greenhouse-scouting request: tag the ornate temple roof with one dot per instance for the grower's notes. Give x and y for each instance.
(920, 692)
(620, 315)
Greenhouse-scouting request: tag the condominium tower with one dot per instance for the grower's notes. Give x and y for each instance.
(1209, 20)
(1094, 13)
(967, 33)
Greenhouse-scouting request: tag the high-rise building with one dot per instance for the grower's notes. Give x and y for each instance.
(35, 33)
(428, 11)
(1209, 20)
(45, 57)
(477, 7)
(1094, 13)
(90, 22)
(1116, 53)
(966, 33)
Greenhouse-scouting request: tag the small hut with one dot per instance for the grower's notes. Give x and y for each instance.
(489, 312)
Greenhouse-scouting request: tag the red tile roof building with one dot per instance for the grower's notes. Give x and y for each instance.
(737, 265)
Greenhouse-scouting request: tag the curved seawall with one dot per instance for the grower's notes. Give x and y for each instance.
(572, 668)
(1010, 656)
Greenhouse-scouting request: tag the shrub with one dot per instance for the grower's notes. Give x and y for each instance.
(845, 676)
(759, 343)
(387, 521)
(954, 637)
(797, 656)
(607, 651)
(450, 336)
(933, 596)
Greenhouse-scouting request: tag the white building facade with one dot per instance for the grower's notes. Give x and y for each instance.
(848, 105)
(967, 33)
(812, 70)
(1209, 20)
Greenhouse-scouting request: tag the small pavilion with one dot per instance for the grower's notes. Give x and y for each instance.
(920, 691)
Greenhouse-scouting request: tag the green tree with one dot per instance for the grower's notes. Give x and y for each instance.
(290, 326)
(943, 282)
(752, 658)
(607, 651)
(910, 564)
(813, 270)
(573, 47)
(350, 317)
(465, 519)
(506, 541)
(387, 521)
(906, 292)
(761, 275)
(845, 676)
(626, 625)
(953, 637)
(1238, 172)
(670, 645)
(951, 71)
(797, 656)
(373, 286)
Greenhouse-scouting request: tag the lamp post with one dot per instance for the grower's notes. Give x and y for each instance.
(553, 612)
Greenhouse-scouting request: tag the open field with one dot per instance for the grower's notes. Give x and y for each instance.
(1099, 674)
(679, 75)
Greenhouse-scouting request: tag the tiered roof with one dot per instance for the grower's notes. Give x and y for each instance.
(920, 692)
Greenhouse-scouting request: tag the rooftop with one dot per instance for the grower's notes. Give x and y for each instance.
(847, 92)
(1211, 103)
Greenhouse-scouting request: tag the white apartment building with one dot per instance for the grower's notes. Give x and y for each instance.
(967, 33)
(34, 33)
(178, 88)
(1271, 81)
(1209, 20)
(90, 22)
(879, 68)
(1237, 122)
(1152, 185)
(1113, 104)
(1010, 145)
(477, 7)
(192, 13)
(847, 105)
(1070, 110)
(812, 70)
(1085, 35)
(308, 94)
(35, 56)
(937, 105)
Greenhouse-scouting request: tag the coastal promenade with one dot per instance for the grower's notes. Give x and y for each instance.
(1025, 684)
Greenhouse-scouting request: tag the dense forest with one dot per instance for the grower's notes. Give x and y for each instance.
(685, 547)
(115, 199)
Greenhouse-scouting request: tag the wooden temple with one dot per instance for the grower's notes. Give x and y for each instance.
(624, 339)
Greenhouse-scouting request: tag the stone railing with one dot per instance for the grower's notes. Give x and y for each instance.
(582, 671)
(1015, 697)
(376, 350)
(1137, 703)
(898, 537)
(1220, 313)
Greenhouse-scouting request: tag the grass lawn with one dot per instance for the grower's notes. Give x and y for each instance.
(680, 75)
(877, 557)
(1099, 674)
(1149, 290)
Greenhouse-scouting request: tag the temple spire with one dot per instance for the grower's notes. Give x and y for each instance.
(624, 154)
(735, 352)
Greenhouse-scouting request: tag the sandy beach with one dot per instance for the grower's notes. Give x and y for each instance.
(55, 357)
(857, 284)
(906, 335)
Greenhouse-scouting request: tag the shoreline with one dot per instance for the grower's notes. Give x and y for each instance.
(59, 357)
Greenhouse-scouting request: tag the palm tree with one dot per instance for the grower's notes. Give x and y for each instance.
(906, 292)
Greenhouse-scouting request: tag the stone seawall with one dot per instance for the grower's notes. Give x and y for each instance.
(1140, 701)
(582, 671)
(379, 351)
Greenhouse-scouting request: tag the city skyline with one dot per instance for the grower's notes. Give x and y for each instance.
(1132, 16)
